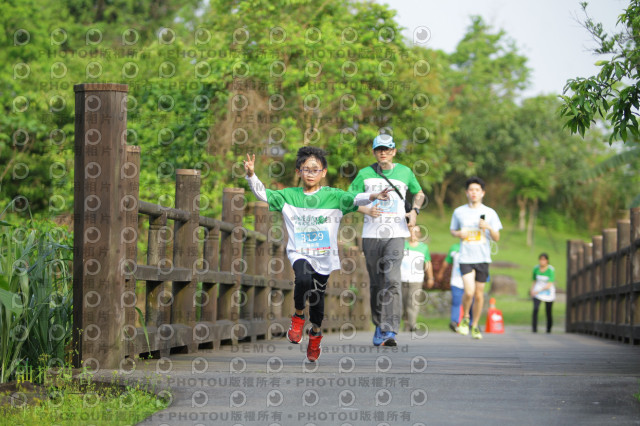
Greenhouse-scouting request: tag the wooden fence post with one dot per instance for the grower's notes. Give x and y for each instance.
(233, 201)
(131, 179)
(185, 255)
(579, 287)
(587, 289)
(276, 272)
(596, 278)
(158, 298)
(623, 295)
(609, 242)
(572, 268)
(211, 255)
(263, 253)
(246, 297)
(288, 304)
(98, 279)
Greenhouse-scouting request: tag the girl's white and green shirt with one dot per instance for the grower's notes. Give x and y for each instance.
(542, 279)
(312, 220)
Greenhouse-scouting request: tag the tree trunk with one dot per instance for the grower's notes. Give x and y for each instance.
(439, 193)
(100, 10)
(522, 214)
(533, 208)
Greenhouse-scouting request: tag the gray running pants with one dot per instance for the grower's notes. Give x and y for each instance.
(384, 257)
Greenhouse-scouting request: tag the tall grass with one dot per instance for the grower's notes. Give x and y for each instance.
(35, 294)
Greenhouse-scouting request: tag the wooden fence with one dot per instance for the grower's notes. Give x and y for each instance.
(206, 281)
(603, 283)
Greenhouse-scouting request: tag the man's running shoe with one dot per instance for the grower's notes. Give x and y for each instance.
(463, 328)
(377, 337)
(389, 339)
(453, 325)
(295, 330)
(314, 350)
(475, 333)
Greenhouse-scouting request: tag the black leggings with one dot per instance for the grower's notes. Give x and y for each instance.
(309, 285)
(536, 306)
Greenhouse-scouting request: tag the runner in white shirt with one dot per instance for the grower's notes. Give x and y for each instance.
(476, 225)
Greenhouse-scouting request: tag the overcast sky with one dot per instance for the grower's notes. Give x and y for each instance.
(545, 31)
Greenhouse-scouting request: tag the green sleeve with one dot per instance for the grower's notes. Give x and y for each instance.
(275, 200)
(535, 269)
(449, 258)
(414, 186)
(346, 201)
(552, 275)
(357, 186)
(427, 255)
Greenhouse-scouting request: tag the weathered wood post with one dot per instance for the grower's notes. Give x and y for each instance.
(276, 271)
(622, 299)
(288, 304)
(634, 273)
(129, 235)
(158, 297)
(211, 256)
(596, 277)
(246, 297)
(98, 279)
(587, 288)
(609, 241)
(207, 332)
(263, 253)
(579, 289)
(572, 269)
(231, 246)
(185, 255)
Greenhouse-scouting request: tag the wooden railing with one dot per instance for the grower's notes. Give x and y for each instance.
(205, 281)
(603, 283)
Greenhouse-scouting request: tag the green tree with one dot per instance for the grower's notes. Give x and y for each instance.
(614, 93)
(334, 80)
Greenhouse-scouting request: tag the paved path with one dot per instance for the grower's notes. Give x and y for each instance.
(438, 379)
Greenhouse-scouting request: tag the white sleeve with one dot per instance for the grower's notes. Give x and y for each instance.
(257, 187)
(362, 199)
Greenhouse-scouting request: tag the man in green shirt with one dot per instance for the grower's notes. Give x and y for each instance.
(383, 236)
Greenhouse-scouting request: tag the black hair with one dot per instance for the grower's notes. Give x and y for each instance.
(307, 152)
(545, 255)
(474, 179)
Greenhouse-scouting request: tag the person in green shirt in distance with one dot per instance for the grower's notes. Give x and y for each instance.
(415, 263)
(543, 289)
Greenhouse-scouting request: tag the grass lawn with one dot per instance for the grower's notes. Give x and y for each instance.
(512, 248)
(71, 401)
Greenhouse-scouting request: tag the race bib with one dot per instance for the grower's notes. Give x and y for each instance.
(312, 240)
(474, 235)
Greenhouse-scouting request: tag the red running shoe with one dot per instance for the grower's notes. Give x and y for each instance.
(295, 331)
(314, 350)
